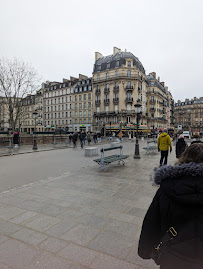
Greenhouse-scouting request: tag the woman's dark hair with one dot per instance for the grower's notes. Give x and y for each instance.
(194, 153)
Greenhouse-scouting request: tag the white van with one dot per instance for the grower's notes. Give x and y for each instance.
(186, 134)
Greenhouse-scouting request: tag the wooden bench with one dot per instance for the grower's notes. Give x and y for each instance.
(9, 146)
(112, 158)
(151, 147)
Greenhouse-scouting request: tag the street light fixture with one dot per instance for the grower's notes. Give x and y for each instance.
(35, 114)
(138, 112)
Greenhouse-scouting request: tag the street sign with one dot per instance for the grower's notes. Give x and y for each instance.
(179, 127)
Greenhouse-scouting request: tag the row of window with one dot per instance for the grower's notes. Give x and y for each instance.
(117, 65)
(129, 74)
(84, 114)
(47, 123)
(84, 97)
(57, 93)
(83, 89)
(58, 100)
(57, 115)
(83, 121)
(58, 108)
(84, 105)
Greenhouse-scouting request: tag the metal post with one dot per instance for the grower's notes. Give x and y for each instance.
(35, 139)
(137, 152)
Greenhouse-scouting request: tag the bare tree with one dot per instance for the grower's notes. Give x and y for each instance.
(17, 79)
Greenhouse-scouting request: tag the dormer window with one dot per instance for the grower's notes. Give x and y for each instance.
(117, 63)
(129, 63)
(99, 67)
(108, 65)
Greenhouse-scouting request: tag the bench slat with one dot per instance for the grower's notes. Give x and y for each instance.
(112, 148)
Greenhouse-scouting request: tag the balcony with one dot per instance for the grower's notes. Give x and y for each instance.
(152, 101)
(129, 88)
(98, 91)
(129, 100)
(115, 100)
(97, 102)
(152, 109)
(106, 101)
(106, 90)
(116, 88)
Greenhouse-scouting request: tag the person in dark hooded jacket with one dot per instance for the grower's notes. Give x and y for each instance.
(178, 203)
(180, 146)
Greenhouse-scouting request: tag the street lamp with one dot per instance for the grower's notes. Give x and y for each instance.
(35, 114)
(138, 112)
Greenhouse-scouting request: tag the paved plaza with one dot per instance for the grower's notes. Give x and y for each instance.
(78, 216)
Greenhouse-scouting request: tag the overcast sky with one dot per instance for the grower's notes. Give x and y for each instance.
(60, 37)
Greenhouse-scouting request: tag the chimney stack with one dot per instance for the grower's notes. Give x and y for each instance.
(163, 83)
(116, 50)
(98, 55)
(153, 74)
(158, 79)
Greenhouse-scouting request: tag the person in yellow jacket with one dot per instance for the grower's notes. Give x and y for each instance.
(164, 142)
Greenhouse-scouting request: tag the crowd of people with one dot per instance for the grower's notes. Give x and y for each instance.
(84, 138)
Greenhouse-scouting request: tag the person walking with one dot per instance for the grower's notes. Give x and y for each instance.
(172, 230)
(120, 135)
(75, 138)
(70, 138)
(99, 137)
(180, 146)
(16, 139)
(163, 143)
(89, 138)
(84, 137)
(95, 138)
(81, 140)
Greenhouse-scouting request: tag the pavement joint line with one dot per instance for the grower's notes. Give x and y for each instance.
(50, 179)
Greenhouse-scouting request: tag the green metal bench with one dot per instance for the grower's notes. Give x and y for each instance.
(151, 147)
(112, 158)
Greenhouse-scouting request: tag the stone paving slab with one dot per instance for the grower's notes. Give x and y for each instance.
(85, 218)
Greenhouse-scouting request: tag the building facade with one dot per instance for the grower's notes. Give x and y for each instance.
(189, 114)
(82, 104)
(119, 82)
(160, 104)
(58, 104)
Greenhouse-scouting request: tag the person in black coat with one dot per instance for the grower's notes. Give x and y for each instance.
(75, 138)
(180, 146)
(178, 203)
(16, 139)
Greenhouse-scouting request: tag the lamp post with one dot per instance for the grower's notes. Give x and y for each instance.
(138, 112)
(35, 114)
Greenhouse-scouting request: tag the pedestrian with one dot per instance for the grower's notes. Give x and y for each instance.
(120, 135)
(70, 138)
(84, 137)
(95, 138)
(164, 142)
(99, 137)
(113, 135)
(180, 146)
(16, 139)
(172, 228)
(89, 138)
(75, 138)
(81, 140)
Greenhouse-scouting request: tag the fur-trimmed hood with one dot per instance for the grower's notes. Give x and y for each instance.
(182, 183)
(176, 171)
